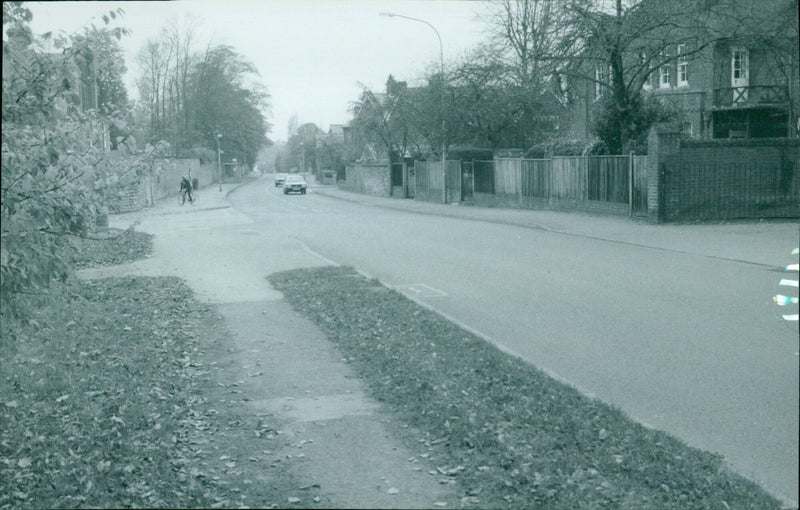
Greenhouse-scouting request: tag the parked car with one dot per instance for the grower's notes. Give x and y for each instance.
(294, 183)
(279, 178)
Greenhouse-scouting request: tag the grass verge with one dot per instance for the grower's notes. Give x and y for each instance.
(509, 434)
(111, 396)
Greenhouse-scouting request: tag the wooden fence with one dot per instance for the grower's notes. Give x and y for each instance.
(428, 177)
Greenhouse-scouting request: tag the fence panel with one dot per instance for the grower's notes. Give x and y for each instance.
(608, 178)
(536, 177)
(508, 176)
(569, 178)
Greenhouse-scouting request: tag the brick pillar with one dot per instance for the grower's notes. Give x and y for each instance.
(661, 142)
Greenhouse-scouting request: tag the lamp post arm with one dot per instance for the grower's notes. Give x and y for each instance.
(439, 37)
(441, 70)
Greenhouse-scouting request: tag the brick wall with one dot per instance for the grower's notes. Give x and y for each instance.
(130, 197)
(162, 180)
(723, 179)
(167, 173)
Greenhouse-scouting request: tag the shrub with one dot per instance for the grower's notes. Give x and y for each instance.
(625, 131)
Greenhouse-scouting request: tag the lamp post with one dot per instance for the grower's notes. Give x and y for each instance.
(219, 159)
(441, 71)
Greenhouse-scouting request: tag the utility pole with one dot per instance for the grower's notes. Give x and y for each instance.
(219, 159)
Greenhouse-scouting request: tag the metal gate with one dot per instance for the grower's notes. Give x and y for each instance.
(467, 180)
(453, 181)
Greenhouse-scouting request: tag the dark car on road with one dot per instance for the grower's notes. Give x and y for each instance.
(294, 183)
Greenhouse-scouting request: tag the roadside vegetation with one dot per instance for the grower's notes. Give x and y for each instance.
(508, 434)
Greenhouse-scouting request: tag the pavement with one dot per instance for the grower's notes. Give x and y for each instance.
(743, 241)
(310, 388)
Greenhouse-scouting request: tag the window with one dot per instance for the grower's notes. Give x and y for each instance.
(644, 64)
(601, 74)
(739, 64)
(664, 71)
(683, 66)
(740, 79)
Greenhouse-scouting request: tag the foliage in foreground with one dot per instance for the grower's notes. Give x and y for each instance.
(57, 175)
(508, 433)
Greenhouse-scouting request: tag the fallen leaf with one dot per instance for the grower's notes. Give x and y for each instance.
(294, 500)
(24, 462)
(62, 398)
(393, 491)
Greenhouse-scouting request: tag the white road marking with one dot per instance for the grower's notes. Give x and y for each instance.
(419, 290)
(309, 250)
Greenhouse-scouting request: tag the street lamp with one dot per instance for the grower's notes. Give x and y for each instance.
(219, 159)
(441, 71)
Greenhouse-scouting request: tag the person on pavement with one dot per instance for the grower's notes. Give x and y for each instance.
(186, 189)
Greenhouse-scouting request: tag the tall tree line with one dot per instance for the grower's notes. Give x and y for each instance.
(190, 97)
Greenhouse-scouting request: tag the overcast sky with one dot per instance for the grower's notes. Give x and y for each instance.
(311, 54)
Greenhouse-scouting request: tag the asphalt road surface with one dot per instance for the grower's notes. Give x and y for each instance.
(682, 342)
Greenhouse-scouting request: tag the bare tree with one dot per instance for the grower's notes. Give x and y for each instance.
(166, 64)
(526, 39)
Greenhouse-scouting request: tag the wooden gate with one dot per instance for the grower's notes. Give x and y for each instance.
(638, 193)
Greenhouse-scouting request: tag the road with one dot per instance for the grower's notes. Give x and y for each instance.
(682, 342)
(669, 324)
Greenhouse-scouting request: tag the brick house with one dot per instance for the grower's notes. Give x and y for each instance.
(738, 86)
(740, 82)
